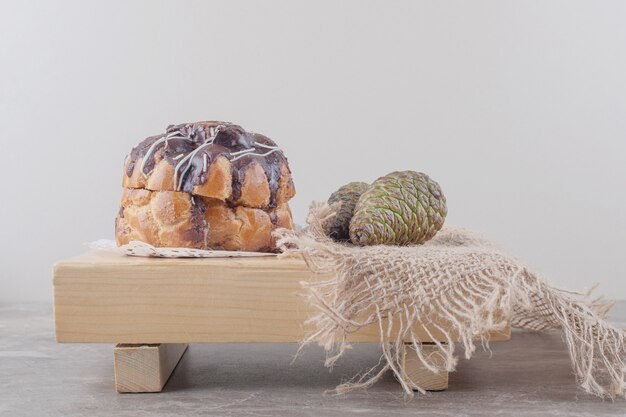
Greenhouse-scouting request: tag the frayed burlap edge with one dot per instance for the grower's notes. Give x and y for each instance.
(458, 284)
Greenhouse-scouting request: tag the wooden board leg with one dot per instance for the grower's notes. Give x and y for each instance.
(145, 368)
(415, 370)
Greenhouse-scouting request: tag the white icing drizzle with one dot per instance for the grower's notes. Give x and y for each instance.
(240, 152)
(177, 157)
(270, 152)
(178, 179)
(152, 148)
(250, 152)
(149, 153)
(265, 146)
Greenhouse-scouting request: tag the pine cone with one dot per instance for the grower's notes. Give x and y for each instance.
(345, 198)
(401, 208)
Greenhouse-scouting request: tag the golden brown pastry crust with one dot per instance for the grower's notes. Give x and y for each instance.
(178, 219)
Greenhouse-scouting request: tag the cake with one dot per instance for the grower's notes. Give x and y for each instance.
(205, 185)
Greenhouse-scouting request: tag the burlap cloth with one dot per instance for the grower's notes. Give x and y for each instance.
(458, 283)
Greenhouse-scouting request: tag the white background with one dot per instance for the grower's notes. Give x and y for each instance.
(518, 109)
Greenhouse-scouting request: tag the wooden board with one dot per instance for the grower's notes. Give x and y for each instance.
(145, 368)
(105, 297)
(416, 372)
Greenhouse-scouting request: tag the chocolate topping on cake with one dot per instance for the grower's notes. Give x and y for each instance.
(191, 148)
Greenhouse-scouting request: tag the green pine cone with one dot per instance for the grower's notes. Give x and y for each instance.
(401, 208)
(346, 198)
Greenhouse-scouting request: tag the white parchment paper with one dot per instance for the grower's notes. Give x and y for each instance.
(137, 248)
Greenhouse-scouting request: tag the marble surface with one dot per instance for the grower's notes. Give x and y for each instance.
(528, 376)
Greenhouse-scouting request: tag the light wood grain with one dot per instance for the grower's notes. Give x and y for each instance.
(105, 297)
(418, 375)
(145, 368)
